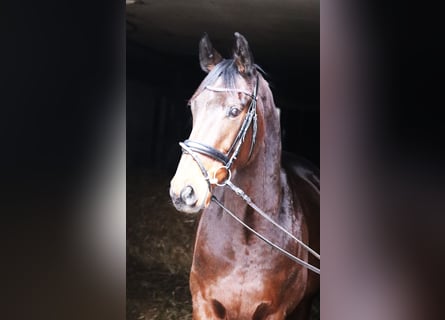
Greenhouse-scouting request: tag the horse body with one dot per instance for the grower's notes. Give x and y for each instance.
(234, 274)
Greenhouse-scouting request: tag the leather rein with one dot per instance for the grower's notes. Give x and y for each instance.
(193, 148)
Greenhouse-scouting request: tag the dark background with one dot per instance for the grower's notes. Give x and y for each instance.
(163, 71)
(62, 64)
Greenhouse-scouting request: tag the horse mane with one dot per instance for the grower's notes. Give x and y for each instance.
(228, 71)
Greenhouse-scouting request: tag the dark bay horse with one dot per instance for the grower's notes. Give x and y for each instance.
(236, 143)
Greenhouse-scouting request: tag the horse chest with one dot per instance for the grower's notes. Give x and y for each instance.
(225, 249)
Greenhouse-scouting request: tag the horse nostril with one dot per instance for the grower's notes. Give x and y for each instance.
(188, 196)
(220, 310)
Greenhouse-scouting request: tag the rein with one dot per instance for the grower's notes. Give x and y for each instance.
(193, 147)
(286, 253)
(246, 198)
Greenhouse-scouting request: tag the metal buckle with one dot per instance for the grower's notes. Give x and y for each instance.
(214, 180)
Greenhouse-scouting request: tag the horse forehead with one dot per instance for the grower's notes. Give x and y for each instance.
(210, 97)
(240, 83)
(213, 98)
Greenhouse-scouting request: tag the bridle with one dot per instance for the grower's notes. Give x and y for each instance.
(229, 157)
(193, 148)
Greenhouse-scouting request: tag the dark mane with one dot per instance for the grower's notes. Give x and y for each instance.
(227, 70)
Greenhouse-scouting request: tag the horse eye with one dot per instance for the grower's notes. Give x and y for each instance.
(234, 112)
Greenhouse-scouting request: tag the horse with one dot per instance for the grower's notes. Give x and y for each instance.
(233, 163)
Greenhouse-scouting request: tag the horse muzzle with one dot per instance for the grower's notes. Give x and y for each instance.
(186, 200)
(189, 191)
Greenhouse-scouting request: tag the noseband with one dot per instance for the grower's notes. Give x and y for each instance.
(228, 158)
(193, 148)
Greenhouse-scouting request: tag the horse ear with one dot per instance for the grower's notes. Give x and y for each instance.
(242, 55)
(208, 56)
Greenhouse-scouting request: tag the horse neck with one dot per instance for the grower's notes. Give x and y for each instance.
(260, 178)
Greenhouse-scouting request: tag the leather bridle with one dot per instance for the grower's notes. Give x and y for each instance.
(193, 148)
(230, 156)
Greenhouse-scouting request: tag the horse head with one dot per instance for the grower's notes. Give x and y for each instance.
(225, 125)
